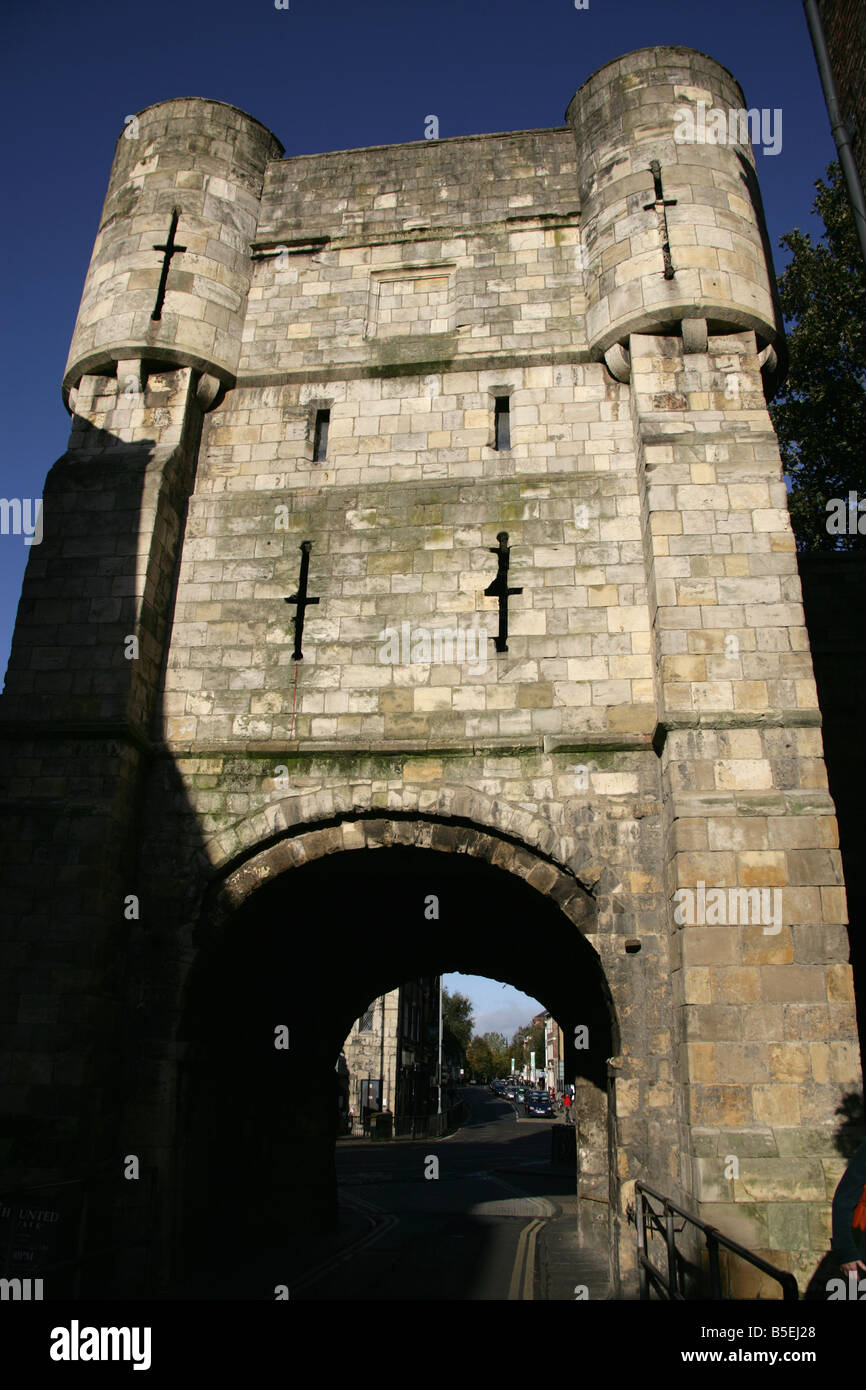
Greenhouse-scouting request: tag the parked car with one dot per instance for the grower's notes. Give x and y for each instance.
(538, 1104)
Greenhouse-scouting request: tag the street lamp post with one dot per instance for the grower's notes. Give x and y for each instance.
(439, 1068)
(382, 1062)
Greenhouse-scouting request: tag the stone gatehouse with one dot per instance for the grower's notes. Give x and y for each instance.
(510, 388)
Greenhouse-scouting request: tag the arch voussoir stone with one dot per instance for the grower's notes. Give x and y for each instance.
(542, 876)
(445, 837)
(301, 845)
(457, 804)
(476, 845)
(378, 833)
(405, 832)
(328, 841)
(353, 836)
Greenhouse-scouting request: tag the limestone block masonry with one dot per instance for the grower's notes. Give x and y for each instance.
(647, 751)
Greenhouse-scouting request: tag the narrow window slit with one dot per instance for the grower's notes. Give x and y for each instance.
(502, 417)
(320, 440)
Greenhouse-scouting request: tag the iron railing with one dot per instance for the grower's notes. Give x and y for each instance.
(414, 1126)
(430, 1126)
(673, 1285)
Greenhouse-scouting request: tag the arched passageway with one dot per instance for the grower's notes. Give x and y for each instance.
(307, 950)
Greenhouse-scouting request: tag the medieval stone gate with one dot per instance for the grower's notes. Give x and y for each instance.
(424, 500)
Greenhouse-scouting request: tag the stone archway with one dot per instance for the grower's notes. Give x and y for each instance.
(280, 893)
(534, 859)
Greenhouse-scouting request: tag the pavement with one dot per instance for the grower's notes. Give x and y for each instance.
(566, 1269)
(482, 1214)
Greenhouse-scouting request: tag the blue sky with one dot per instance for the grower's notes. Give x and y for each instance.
(499, 1008)
(323, 75)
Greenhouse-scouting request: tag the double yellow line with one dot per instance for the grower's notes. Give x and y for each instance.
(521, 1288)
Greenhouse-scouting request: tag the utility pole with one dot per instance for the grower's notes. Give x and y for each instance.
(841, 132)
(382, 1063)
(439, 1068)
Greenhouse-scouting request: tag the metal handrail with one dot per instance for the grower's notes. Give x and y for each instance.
(664, 1223)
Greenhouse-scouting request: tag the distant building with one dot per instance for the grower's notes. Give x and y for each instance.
(539, 1070)
(391, 1052)
(554, 1052)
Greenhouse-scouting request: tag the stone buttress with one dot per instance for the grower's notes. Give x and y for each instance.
(650, 736)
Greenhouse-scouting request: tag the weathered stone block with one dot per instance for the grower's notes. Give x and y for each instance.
(624, 746)
(777, 1104)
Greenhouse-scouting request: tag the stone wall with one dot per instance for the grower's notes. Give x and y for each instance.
(352, 246)
(365, 1055)
(391, 549)
(834, 598)
(652, 732)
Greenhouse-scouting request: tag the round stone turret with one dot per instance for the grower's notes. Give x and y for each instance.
(187, 174)
(655, 166)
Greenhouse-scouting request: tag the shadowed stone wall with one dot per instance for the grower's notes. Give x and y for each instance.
(650, 737)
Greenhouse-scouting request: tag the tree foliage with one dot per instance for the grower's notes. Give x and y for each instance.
(488, 1055)
(820, 416)
(479, 1058)
(529, 1038)
(497, 1048)
(458, 1022)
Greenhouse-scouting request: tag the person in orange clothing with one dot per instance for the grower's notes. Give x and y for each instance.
(849, 1218)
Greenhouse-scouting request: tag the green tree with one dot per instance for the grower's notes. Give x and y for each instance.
(497, 1048)
(478, 1058)
(820, 415)
(458, 1022)
(528, 1039)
